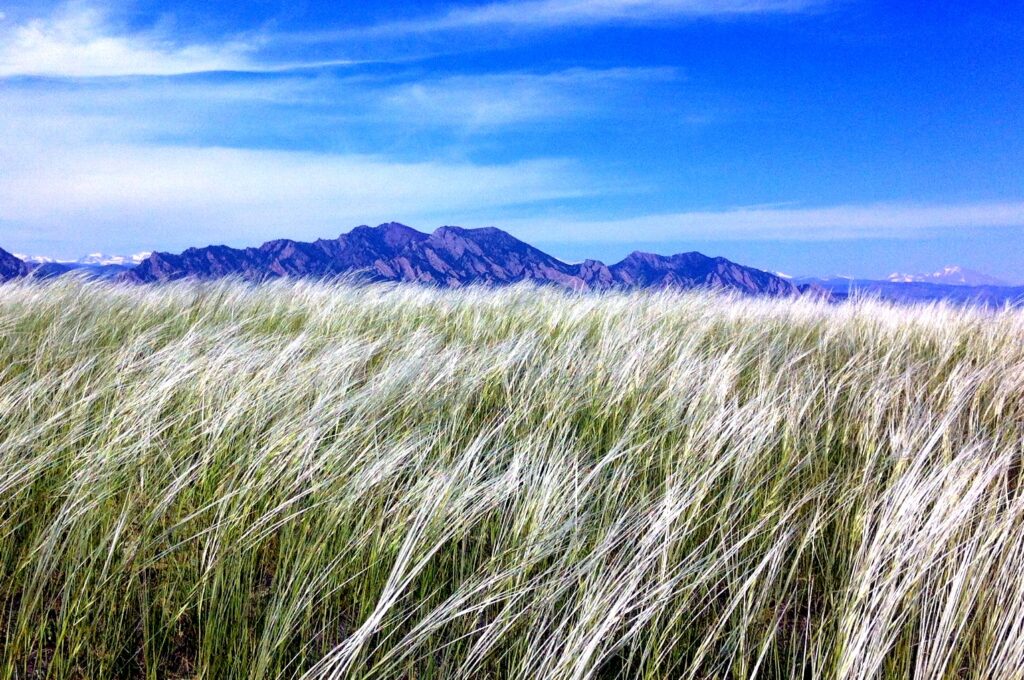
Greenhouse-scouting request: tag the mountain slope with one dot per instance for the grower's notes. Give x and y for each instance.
(11, 267)
(690, 270)
(451, 257)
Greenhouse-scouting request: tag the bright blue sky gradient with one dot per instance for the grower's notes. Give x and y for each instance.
(809, 136)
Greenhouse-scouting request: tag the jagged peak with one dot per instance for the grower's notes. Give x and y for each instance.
(484, 236)
(387, 227)
(278, 242)
(479, 231)
(648, 257)
(391, 233)
(452, 229)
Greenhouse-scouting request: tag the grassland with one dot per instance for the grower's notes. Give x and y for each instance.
(312, 480)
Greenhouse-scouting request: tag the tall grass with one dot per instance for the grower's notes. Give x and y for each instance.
(322, 481)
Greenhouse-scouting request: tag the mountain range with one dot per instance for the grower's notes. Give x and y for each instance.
(451, 257)
(454, 256)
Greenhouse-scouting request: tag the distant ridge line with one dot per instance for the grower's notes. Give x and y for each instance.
(451, 257)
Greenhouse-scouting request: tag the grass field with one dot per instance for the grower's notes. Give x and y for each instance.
(311, 480)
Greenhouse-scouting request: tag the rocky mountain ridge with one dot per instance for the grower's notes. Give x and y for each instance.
(11, 267)
(451, 257)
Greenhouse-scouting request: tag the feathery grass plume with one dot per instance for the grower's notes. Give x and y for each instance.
(322, 480)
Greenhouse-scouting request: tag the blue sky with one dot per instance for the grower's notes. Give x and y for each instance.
(808, 136)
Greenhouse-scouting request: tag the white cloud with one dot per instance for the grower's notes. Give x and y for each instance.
(135, 196)
(373, 108)
(80, 40)
(878, 220)
(128, 164)
(78, 195)
(539, 14)
(482, 101)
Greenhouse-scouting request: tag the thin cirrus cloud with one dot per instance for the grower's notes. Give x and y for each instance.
(137, 109)
(81, 41)
(547, 14)
(480, 102)
(854, 221)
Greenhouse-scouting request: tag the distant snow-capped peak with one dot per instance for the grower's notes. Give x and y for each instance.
(103, 259)
(92, 259)
(38, 259)
(952, 275)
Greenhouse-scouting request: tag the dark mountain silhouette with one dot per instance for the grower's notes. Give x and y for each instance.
(11, 267)
(451, 257)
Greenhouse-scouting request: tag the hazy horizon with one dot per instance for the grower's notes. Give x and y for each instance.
(879, 259)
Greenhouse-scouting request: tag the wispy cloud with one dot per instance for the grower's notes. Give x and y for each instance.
(880, 220)
(545, 14)
(81, 40)
(483, 101)
(133, 163)
(364, 109)
(179, 196)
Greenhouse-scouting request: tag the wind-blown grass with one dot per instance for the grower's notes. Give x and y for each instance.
(312, 480)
